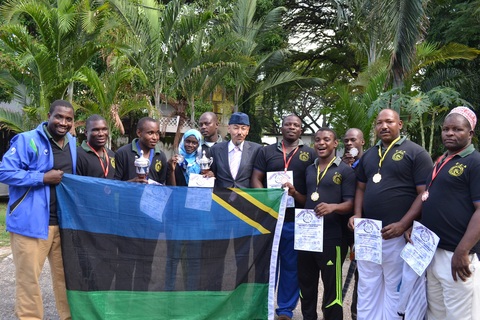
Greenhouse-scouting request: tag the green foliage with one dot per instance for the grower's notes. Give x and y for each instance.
(59, 40)
(457, 21)
(127, 58)
(422, 112)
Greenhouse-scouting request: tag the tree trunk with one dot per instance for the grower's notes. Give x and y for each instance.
(422, 131)
(70, 92)
(432, 131)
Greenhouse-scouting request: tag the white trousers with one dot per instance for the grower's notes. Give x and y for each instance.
(378, 285)
(448, 299)
(413, 294)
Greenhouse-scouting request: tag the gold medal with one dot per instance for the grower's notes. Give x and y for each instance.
(377, 177)
(425, 195)
(315, 196)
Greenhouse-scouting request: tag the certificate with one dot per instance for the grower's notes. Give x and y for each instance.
(153, 201)
(275, 179)
(419, 254)
(368, 240)
(199, 199)
(308, 231)
(198, 180)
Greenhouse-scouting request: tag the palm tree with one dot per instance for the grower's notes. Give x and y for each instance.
(106, 89)
(158, 33)
(254, 72)
(53, 40)
(352, 108)
(406, 21)
(425, 98)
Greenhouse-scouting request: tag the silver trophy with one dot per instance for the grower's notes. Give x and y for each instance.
(205, 162)
(141, 166)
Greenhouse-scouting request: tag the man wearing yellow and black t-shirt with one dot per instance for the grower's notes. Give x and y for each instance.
(451, 209)
(390, 180)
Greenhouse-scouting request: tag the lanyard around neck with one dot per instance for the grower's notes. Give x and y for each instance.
(382, 157)
(284, 150)
(104, 167)
(319, 178)
(442, 161)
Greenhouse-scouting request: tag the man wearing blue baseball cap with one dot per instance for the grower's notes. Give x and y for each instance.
(233, 160)
(232, 166)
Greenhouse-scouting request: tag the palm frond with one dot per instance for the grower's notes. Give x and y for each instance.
(284, 78)
(406, 21)
(428, 53)
(13, 121)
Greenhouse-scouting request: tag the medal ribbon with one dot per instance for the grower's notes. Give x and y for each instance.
(443, 161)
(386, 151)
(285, 156)
(104, 169)
(324, 171)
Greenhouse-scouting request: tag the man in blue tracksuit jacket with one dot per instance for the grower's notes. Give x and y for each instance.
(32, 167)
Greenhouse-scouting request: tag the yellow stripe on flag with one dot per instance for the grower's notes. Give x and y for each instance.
(240, 215)
(255, 202)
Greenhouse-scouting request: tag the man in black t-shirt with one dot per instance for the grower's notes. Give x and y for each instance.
(138, 272)
(390, 180)
(451, 209)
(330, 188)
(148, 132)
(353, 142)
(290, 154)
(93, 158)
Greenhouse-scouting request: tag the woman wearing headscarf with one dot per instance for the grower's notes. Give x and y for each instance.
(180, 166)
(185, 162)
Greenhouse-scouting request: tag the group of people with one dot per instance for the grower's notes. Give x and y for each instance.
(397, 183)
(394, 182)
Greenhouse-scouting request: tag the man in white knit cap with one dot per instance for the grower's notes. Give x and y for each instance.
(451, 209)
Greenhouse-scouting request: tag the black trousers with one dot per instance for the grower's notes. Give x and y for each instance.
(328, 264)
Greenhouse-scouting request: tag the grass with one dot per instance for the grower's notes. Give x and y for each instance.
(4, 236)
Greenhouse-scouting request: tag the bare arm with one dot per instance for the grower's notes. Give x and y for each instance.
(256, 181)
(460, 259)
(348, 158)
(172, 163)
(323, 208)
(299, 198)
(358, 204)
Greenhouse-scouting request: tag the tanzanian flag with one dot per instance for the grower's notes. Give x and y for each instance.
(134, 251)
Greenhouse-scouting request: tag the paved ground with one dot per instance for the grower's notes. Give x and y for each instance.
(7, 285)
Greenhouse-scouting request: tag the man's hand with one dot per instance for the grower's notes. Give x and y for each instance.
(351, 222)
(393, 230)
(408, 235)
(461, 266)
(53, 177)
(348, 158)
(322, 209)
(291, 189)
(139, 180)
